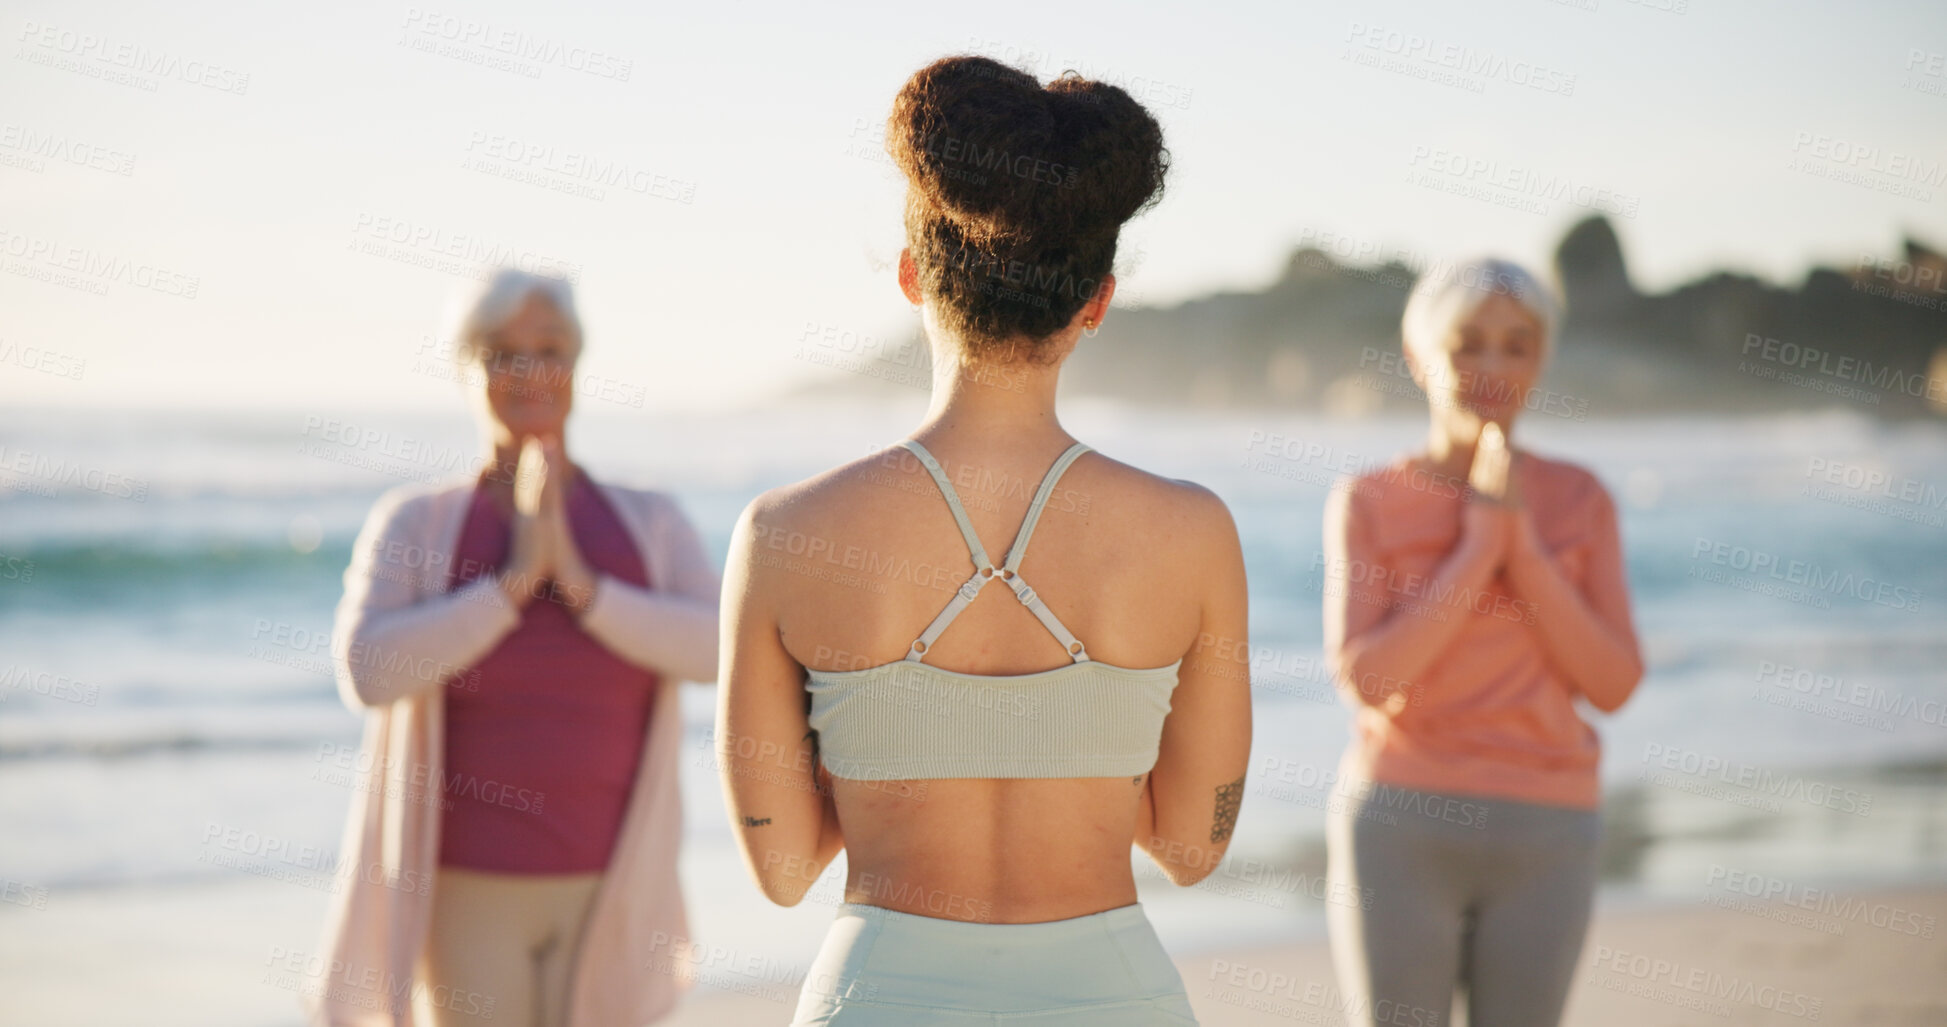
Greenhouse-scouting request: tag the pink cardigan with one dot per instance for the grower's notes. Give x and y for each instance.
(397, 639)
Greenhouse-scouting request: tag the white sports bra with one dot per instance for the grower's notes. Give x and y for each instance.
(907, 720)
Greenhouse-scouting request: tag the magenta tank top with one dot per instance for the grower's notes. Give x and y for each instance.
(541, 758)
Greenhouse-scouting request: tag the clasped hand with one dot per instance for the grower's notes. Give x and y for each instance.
(1495, 515)
(544, 561)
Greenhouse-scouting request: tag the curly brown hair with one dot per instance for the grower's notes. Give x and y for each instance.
(1016, 193)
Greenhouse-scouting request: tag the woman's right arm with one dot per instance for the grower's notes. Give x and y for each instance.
(780, 808)
(385, 645)
(1375, 649)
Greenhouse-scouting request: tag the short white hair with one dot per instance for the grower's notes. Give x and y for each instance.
(1445, 294)
(494, 302)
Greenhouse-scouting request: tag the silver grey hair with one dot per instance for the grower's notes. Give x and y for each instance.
(1446, 294)
(500, 297)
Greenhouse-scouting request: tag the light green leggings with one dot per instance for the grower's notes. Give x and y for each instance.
(883, 968)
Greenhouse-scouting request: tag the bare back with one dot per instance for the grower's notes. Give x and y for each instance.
(1109, 561)
(850, 570)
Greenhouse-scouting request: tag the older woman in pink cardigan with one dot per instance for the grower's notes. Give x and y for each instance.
(515, 639)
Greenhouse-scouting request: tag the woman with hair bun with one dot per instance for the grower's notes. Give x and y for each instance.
(1474, 591)
(986, 736)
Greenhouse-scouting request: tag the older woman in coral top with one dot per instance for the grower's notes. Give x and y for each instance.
(1474, 593)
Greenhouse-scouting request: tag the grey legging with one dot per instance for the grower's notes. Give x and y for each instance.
(1431, 891)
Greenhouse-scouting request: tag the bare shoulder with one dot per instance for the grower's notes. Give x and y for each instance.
(818, 505)
(1114, 499)
(1172, 514)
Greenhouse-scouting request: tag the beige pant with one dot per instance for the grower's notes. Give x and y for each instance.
(501, 948)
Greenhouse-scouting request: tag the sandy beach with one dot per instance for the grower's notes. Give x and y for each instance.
(1869, 957)
(1872, 957)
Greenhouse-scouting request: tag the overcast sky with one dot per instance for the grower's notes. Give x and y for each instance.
(233, 205)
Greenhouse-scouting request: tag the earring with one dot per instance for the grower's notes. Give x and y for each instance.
(1088, 327)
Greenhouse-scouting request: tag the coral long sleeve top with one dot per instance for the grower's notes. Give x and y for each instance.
(1489, 716)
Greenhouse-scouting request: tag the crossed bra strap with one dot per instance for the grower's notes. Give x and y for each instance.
(984, 570)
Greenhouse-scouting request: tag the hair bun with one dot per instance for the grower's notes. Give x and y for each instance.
(1017, 194)
(1007, 160)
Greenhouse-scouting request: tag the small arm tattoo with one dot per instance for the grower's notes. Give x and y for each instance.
(755, 821)
(1229, 798)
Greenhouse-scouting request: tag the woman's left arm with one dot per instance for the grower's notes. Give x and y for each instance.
(1588, 634)
(670, 628)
